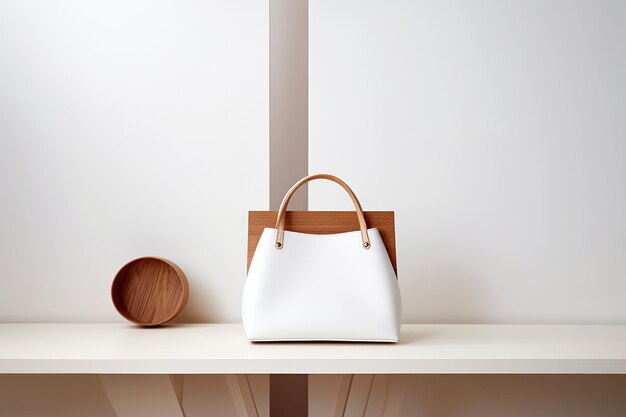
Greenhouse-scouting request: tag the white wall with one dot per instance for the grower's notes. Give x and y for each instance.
(129, 129)
(496, 131)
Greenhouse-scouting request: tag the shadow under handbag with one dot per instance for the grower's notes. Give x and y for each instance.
(315, 276)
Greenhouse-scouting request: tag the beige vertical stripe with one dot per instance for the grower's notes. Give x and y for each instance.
(289, 160)
(289, 106)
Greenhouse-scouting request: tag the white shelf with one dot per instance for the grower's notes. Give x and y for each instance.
(223, 349)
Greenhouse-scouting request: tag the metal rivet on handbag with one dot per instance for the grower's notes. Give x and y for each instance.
(307, 282)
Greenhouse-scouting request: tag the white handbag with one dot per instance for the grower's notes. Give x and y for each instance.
(335, 287)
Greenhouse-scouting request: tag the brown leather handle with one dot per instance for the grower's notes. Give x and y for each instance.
(280, 219)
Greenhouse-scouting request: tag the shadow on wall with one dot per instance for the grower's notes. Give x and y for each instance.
(515, 395)
(202, 304)
(53, 396)
(83, 395)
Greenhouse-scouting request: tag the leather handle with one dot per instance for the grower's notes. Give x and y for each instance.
(280, 219)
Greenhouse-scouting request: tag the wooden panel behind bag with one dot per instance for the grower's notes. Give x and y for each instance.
(323, 222)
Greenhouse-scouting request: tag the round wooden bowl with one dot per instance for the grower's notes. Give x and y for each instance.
(150, 291)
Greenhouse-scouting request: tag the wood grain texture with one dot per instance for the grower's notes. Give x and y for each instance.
(323, 222)
(150, 291)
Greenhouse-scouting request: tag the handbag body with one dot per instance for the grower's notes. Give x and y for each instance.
(321, 276)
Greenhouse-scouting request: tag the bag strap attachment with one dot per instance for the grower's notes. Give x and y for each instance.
(280, 219)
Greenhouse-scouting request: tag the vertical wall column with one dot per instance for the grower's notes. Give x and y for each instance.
(289, 107)
(289, 99)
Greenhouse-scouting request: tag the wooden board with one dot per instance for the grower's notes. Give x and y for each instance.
(323, 222)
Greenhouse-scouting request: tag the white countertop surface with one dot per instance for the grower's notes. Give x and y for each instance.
(224, 349)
